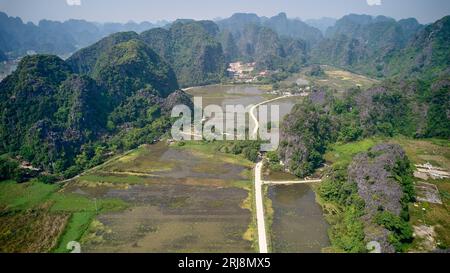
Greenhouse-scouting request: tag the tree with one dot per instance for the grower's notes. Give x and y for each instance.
(8, 169)
(251, 153)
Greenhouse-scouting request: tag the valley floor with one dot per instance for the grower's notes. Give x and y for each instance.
(193, 197)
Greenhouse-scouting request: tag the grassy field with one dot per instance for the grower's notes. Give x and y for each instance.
(24, 196)
(75, 228)
(30, 231)
(435, 217)
(37, 217)
(434, 151)
(340, 155)
(335, 78)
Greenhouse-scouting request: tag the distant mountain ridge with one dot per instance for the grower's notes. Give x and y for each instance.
(281, 24)
(52, 37)
(294, 28)
(321, 24)
(364, 43)
(273, 43)
(199, 50)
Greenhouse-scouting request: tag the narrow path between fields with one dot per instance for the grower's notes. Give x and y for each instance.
(254, 134)
(260, 218)
(259, 198)
(261, 222)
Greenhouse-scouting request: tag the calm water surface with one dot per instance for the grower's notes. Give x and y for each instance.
(298, 222)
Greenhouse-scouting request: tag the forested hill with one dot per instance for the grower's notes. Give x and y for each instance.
(364, 43)
(376, 46)
(412, 108)
(63, 121)
(273, 43)
(382, 47)
(123, 61)
(395, 109)
(370, 186)
(198, 51)
(189, 47)
(413, 102)
(426, 54)
(192, 49)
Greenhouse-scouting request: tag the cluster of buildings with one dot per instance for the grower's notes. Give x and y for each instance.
(245, 72)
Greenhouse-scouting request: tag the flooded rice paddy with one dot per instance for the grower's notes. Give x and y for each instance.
(174, 217)
(194, 198)
(180, 200)
(298, 224)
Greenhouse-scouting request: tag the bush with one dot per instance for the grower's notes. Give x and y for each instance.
(338, 190)
(251, 154)
(8, 169)
(72, 172)
(350, 133)
(48, 178)
(348, 233)
(273, 162)
(402, 232)
(22, 175)
(316, 71)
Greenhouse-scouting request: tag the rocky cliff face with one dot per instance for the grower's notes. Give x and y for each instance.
(305, 133)
(273, 43)
(373, 174)
(192, 50)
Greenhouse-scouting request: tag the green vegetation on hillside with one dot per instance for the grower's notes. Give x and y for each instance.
(356, 210)
(305, 135)
(61, 127)
(388, 109)
(264, 46)
(192, 50)
(426, 55)
(382, 47)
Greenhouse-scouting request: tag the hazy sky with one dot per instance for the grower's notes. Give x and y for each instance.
(425, 11)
